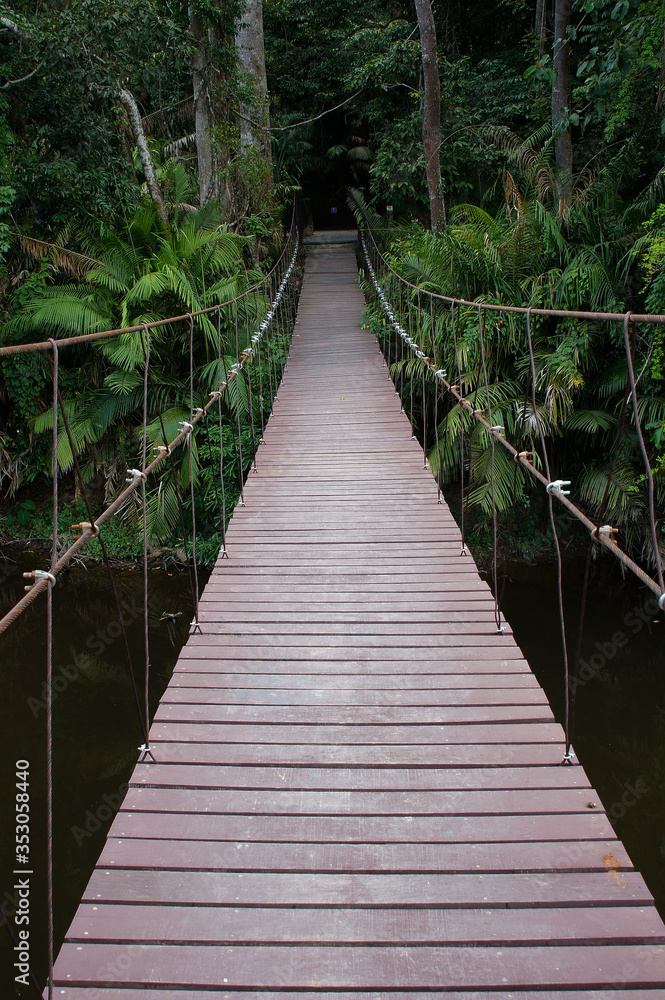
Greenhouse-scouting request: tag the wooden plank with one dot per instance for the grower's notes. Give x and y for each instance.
(298, 968)
(275, 925)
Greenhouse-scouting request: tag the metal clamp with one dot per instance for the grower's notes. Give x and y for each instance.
(525, 455)
(162, 449)
(558, 485)
(185, 426)
(135, 474)
(606, 531)
(86, 526)
(568, 756)
(37, 575)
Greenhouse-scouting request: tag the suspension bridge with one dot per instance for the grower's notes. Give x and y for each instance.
(353, 784)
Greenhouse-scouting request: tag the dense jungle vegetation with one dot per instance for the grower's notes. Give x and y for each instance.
(149, 153)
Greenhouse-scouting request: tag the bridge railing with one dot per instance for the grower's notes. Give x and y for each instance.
(261, 317)
(410, 312)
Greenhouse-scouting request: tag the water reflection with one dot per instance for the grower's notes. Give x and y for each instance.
(96, 728)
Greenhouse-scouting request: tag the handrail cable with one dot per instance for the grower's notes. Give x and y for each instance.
(554, 490)
(42, 583)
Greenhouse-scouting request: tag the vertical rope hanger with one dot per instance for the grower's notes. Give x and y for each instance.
(568, 754)
(647, 465)
(225, 554)
(98, 535)
(425, 463)
(497, 609)
(465, 550)
(241, 471)
(250, 394)
(195, 626)
(436, 406)
(145, 750)
(49, 682)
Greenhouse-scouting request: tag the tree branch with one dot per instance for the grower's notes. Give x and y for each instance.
(22, 79)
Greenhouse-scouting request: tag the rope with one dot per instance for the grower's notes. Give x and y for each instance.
(647, 464)
(49, 683)
(241, 471)
(195, 622)
(184, 433)
(460, 383)
(145, 749)
(221, 439)
(521, 457)
(436, 409)
(116, 597)
(497, 610)
(567, 757)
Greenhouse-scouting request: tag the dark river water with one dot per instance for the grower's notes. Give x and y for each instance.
(620, 714)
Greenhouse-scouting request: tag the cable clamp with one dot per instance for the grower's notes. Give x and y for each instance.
(185, 426)
(440, 373)
(419, 354)
(199, 411)
(526, 455)
(606, 530)
(499, 428)
(465, 551)
(37, 575)
(162, 449)
(235, 368)
(558, 485)
(134, 474)
(568, 756)
(478, 413)
(86, 526)
(216, 394)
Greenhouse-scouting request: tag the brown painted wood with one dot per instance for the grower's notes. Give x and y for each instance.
(357, 791)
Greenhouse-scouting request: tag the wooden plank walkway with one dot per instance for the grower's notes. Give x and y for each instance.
(357, 791)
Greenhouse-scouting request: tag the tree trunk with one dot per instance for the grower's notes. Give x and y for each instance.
(660, 102)
(202, 109)
(540, 25)
(130, 106)
(561, 66)
(251, 53)
(431, 113)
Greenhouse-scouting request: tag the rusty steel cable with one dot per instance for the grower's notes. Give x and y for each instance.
(553, 488)
(523, 460)
(50, 583)
(195, 625)
(107, 562)
(88, 338)
(65, 558)
(221, 437)
(647, 465)
(497, 609)
(145, 749)
(241, 471)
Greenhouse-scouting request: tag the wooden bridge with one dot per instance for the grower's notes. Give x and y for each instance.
(357, 788)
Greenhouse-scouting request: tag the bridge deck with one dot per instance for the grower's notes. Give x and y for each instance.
(357, 790)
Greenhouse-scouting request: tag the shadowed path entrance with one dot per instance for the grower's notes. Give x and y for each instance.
(357, 790)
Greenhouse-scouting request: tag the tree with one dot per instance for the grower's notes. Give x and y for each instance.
(431, 113)
(255, 114)
(560, 89)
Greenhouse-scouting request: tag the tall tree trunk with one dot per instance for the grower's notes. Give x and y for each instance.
(540, 24)
(660, 101)
(251, 53)
(431, 114)
(560, 88)
(213, 155)
(130, 106)
(202, 109)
